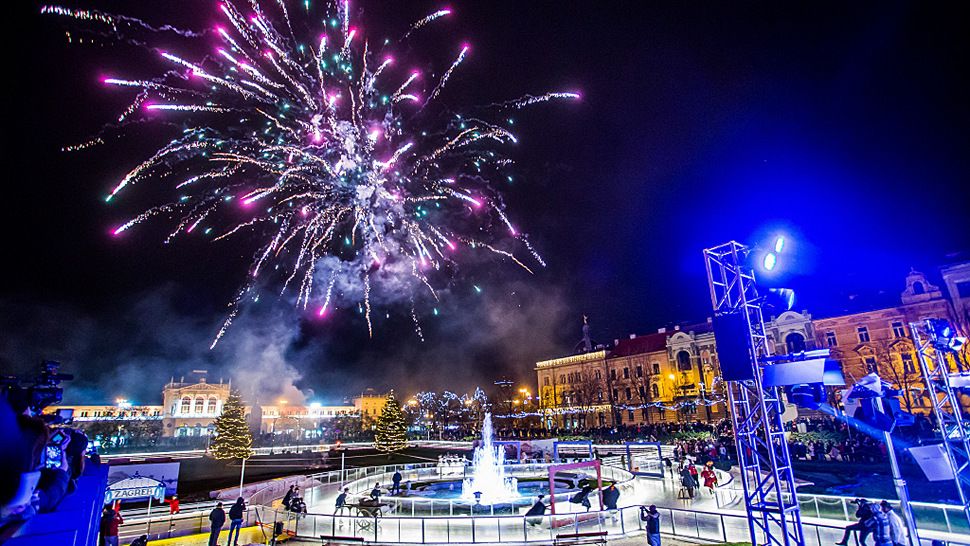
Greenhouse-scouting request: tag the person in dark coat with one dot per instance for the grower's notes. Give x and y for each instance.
(288, 497)
(217, 518)
(536, 512)
(652, 518)
(342, 498)
(611, 496)
(864, 512)
(687, 481)
(236, 512)
(582, 497)
(396, 483)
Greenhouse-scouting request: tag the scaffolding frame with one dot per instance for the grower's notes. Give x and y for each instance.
(756, 411)
(946, 406)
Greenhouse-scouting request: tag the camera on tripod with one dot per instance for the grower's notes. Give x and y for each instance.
(36, 394)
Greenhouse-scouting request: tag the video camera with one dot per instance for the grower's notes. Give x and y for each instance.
(36, 394)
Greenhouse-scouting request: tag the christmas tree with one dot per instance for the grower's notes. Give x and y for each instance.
(233, 439)
(392, 433)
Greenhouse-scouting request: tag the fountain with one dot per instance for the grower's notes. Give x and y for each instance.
(488, 484)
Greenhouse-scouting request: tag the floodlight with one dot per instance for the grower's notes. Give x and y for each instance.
(779, 244)
(780, 298)
(769, 261)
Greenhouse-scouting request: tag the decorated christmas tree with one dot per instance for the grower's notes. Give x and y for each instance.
(391, 434)
(233, 439)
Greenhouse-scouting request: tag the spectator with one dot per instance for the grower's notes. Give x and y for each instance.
(880, 527)
(236, 512)
(652, 519)
(173, 504)
(864, 512)
(110, 520)
(375, 494)
(217, 518)
(288, 497)
(897, 530)
(396, 483)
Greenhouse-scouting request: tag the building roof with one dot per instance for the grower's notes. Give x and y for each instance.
(649, 343)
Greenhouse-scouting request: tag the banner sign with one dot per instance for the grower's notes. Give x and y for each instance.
(166, 473)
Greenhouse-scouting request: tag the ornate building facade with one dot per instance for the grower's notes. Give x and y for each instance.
(673, 375)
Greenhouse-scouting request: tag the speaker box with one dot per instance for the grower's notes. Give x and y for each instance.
(733, 346)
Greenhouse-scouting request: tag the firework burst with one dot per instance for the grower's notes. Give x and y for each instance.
(318, 147)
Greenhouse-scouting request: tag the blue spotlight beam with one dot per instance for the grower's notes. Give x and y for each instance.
(946, 407)
(774, 518)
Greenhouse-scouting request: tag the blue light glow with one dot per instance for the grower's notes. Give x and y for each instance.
(770, 261)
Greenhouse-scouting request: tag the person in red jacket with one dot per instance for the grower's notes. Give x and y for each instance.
(110, 520)
(173, 504)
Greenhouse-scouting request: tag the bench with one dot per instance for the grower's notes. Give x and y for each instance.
(335, 539)
(595, 537)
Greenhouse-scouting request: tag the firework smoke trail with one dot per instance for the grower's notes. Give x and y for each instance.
(309, 148)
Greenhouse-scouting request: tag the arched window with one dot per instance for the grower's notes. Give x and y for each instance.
(200, 405)
(683, 361)
(795, 342)
(211, 408)
(186, 404)
(918, 288)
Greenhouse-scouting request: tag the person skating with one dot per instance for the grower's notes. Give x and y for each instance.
(611, 496)
(710, 477)
(582, 497)
(688, 482)
(236, 512)
(342, 498)
(652, 518)
(534, 515)
(375, 494)
(288, 497)
(217, 518)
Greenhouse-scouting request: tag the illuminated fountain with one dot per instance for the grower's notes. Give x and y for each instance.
(489, 484)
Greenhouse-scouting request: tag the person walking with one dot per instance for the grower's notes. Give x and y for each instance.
(236, 512)
(651, 517)
(396, 483)
(897, 531)
(217, 518)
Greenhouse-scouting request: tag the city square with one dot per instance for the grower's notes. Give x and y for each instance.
(678, 274)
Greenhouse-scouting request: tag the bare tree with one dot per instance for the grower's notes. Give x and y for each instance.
(587, 393)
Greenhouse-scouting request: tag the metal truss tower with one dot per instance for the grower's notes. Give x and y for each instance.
(766, 470)
(945, 400)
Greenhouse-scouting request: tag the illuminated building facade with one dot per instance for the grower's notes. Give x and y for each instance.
(671, 375)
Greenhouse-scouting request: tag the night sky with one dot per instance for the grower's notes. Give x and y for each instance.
(843, 126)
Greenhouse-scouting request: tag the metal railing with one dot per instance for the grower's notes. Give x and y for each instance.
(677, 522)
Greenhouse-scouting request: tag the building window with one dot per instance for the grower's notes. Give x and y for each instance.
(211, 408)
(545, 381)
(186, 404)
(871, 366)
(655, 390)
(639, 371)
(597, 375)
(199, 405)
(626, 373)
(918, 288)
(613, 374)
(642, 391)
(963, 289)
(630, 415)
(683, 361)
(656, 368)
(908, 366)
(562, 379)
(643, 413)
(629, 394)
(898, 329)
(863, 334)
(616, 394)
(830, 340)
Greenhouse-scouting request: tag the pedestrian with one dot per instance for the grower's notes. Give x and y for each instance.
(652, 519)
(217, 518)
(534, 515)
(396, 483)
(173, 504)
(342, 498)
(288, 497)
(864, 512)
(110, 521)
(375, 494)
(140, 541)
(236, 512)
(897, 530)
(880, 527)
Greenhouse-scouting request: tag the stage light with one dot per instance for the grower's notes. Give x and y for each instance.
(944, 336)
(780, 299)
(779, 244)
(769, 262)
